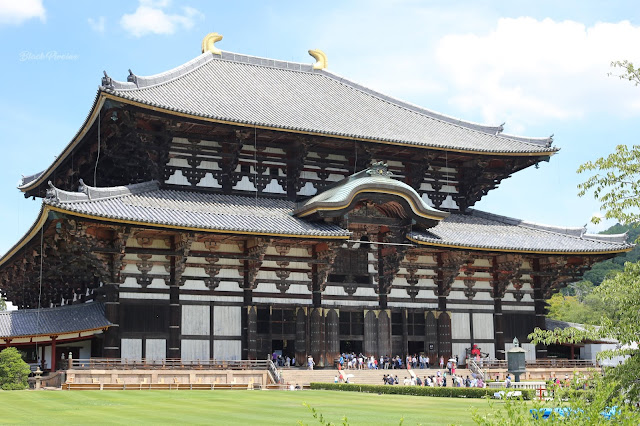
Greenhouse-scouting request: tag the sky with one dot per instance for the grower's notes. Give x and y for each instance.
(539, 67)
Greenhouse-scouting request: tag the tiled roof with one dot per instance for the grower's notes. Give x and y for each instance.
(55, 321)
(147, 203)
(493, 232)
(375, 179)
(293, 96)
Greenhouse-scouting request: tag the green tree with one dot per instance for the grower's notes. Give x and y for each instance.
(13, 370)
(3, 304)
(616, 183)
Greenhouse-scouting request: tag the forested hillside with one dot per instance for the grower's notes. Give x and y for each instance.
(576, 302)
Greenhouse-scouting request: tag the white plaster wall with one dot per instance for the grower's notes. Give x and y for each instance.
(274, 187)
(155, 349)
(460, 326)
(413, 305)
(146, 296)
(529, 347)
(210, 298)
(489, 348)
(192, 350)
(194, 285)
(227, 349)
(278, 301)
(177, 179)
(483, 326)
(226, 321)
(459, 349)
(131, 349)
(196, 320)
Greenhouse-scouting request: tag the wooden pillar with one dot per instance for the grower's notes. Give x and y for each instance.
(111, 347)
(370, 344)
(332, 347)
(301, 335)
(54, 358)
(405, 333)
(498, 328)
(317, 332)
(540, 306)
(250, 333)
(384, 332)
(175, 321)
(249, 325)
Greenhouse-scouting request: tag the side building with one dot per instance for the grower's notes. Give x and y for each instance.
(236, 206)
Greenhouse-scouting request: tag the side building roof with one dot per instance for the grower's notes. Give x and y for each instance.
(53, 321)
(490, 232)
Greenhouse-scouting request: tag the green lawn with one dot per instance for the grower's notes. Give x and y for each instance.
(230, 407)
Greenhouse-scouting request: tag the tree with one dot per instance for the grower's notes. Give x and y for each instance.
(617, 181)
(13, 370)
(616, 185)
(3, 304)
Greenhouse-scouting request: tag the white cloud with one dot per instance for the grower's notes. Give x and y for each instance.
(15, 12)
(151, 18)
(97, 25)
(539, 69)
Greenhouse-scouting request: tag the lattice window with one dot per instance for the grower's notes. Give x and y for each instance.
(351, 323)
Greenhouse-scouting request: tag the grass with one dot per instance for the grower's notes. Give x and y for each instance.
(230, 407)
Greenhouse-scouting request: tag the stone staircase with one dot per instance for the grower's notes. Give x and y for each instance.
(369, 377)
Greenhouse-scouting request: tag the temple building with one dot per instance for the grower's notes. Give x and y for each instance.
(236, 205)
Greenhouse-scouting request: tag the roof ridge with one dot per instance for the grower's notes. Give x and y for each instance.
(135, 82)
(87, 193)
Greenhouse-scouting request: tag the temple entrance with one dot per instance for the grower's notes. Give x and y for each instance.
(415, 347)
(349, 346)
(286, 348)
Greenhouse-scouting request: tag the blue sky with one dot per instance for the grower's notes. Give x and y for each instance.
(541, 67)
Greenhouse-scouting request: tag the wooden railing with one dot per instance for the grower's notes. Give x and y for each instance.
(542, 363)
(170, 363)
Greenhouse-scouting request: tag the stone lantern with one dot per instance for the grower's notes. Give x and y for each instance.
(516, 360)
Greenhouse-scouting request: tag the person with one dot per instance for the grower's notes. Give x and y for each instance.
(418, 381)
(310, 363)
(427, 361)
(441, 362)
(406, 381)
(335, 379)
(449, 365)
(507, 382)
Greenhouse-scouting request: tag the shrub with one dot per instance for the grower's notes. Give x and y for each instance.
(450, 392)
(13, 370)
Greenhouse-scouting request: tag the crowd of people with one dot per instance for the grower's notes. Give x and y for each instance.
(437, 380)
(360, 362)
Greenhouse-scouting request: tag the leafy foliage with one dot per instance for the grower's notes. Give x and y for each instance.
(13, 370)
(583, 308)
(616, 184)
(622, 295)
(570, 406)
(3, 304)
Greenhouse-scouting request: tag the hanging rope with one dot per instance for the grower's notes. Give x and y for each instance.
(95, 169)
(40, 286)
(255, 162)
